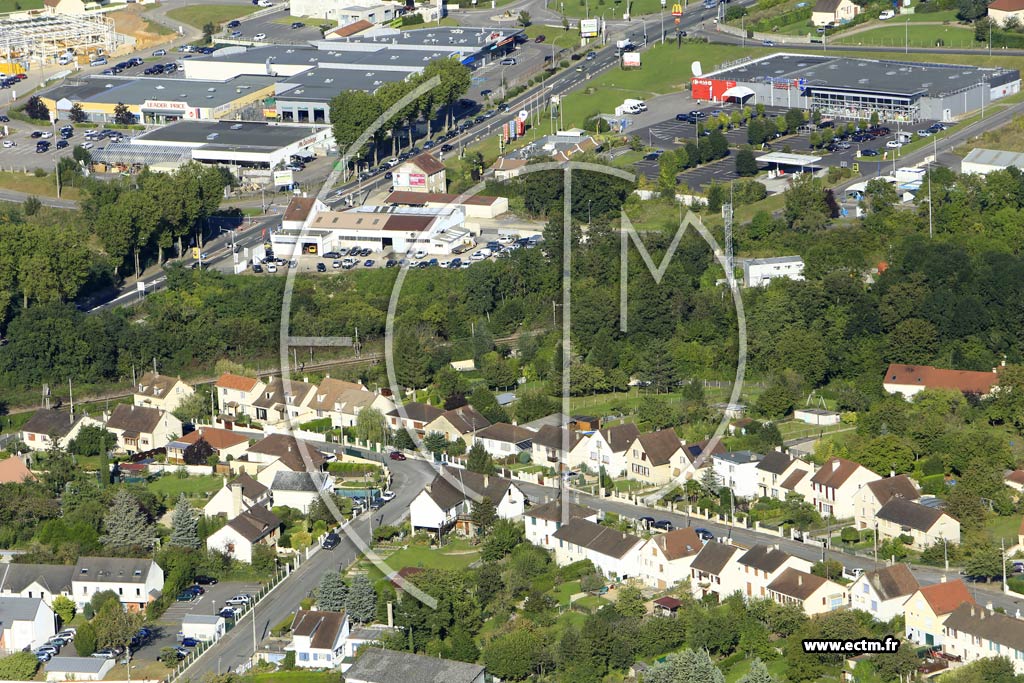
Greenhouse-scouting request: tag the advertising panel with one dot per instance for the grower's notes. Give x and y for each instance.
(589, 28)
(282, 178)
(630, 59)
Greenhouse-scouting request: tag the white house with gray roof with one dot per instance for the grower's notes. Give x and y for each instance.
(614, 553)
(738, 471)
(137, 582)
(451, 494)
(375, 665)
(45, 581)
(78, 668)
(25, 623)
(298, 490)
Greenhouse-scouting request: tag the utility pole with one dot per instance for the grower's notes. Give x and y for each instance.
(930, 234)
(1002, 556)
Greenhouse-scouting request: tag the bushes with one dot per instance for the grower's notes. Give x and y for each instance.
(21, 666)
(351, 469)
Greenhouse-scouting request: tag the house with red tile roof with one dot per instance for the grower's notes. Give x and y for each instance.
(908, 380)
(422, 173)
(872, 497)
(926, 610)
(835, 485)
(237, 393)
(13, 471)
(665, 559)
(1001, 11)
(656, 457)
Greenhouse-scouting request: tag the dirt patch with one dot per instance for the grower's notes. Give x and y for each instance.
(130, 22)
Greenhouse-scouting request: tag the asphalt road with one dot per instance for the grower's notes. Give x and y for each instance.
(236, 647)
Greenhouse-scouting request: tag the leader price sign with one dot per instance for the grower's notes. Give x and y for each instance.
(588, 28)
(630, 59)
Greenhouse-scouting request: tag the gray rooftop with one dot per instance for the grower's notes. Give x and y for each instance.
(135, 90)
(209, 619)
(773, 259)
(865, 75)
(323, 84)
(739, 457)
(462, 38)
(18, 609)
(389, 666)
(121, 569)
(55, 578)
(76, 665)
(995, 157)
(296, 481)
(249, 134)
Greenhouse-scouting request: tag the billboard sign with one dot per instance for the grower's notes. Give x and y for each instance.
(589, 28)
(282, 178)
(630, 59)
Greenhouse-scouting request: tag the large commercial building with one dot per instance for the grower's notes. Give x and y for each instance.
(250, 150)
(161, 100)
(853, 88)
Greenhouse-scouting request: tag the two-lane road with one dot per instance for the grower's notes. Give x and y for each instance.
(236, 647)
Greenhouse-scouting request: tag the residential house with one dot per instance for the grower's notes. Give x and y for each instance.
(318, 638)
(815, 594)
(502, 440)
(656, 458)
(665, 559)
(871, 498)
(45, 581)
(422, 173)
(545, 519)
(1004, 12)
(136, 581)
(926, 525)
(284, 401)
(236, 394)
(834, 487)
(552, 445)
(341, 401)
(375, 665)
(762, 564)
(140, 429)
(449, 496)
(160, 391)
(738, 471)
(506, 168)
(413, 416)
(25, 623)
(225, 443)
(48, 427)
(777, 468)
(605, 448)
(908, 380)
(240, 536)
(236, 496)
(833, 12)
(298, 490)
(14, 471)
(972, 632)
(278, 452)
(1015, 480)
(926, 611)
(78, 668)
(714, 571)
(614, 553)
(458, 423)
(883, 593)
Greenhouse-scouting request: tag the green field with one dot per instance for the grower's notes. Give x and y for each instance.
(1004, 527)
(456, 555)
(31, 184)
(932, 17)
(171, 486)
(200, 15)
(609, 9)
(18, 5)
(554, 36)
(897, 35)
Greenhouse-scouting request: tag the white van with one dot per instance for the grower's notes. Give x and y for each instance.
(887, 14)
(65, 59)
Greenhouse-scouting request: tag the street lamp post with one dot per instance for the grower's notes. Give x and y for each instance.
(906, 37)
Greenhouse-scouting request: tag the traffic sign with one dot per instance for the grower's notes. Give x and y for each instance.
(523, 115)
(195, 253)
(678, 20)
(677, 10)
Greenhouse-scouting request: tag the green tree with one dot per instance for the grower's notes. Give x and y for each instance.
(462, 646)
(76, 113)
(719, 145)
(126, 525)
(898, 665)
(455, 80)
(484, 514)
(479, 460)
(984, 559)
(758, 674)
(352, 112)
(514, 655)
(881, 195)
(668, 169)
(185, 525)
(194, 408)
(123, 115)
(630, 602)
(806, 209)
(64, 607)
(971, 10)
(331, 593)
(36, 109)
(115, 626)
(435, 442)
(746, 163)
(776, 401)
(794, 119)
(210, 29)
(361, 602)
(887, 453)
(524, 18)
(829, 569)
(486, 404)
(85, 640)
(656, 412)
(505, 535)
(31, 206)
(21, 666)
(81, 155)
(688, 666)
(412, 363)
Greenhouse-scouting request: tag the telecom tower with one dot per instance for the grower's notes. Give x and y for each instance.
(730, 272)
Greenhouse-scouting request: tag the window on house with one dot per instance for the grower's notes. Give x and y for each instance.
(303, 656)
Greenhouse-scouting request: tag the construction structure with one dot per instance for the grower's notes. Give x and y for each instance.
(47, 38)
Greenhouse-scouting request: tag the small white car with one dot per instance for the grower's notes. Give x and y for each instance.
(887, 14)
(260, 36)
(87, 145)
(271, 268)
(894, 144)
(387, 495)
(419, 254)
(478, 256)
(9, 143)
(46, 135)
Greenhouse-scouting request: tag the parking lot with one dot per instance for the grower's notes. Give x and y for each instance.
(277, 28)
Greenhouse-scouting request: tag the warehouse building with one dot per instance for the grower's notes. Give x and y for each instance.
(160, 100)
(306, 97)
(983, 161)
(854, 88)
(250, 150)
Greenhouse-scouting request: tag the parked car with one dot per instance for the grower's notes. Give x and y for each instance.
(187, 595)
(297, 24)
(663, 524)
(869, 153)
(260, 36)
(203, 580)
(332, 254)
(161, 53)
(105, 653)
(189, 642)
(234, 23)
(257, 268)
(704, 534)
(240, 599)
(893, 144)
(540, 39)
(321, 267)
(646, 522)
(229, 613)
(395, 455)
(330, 541)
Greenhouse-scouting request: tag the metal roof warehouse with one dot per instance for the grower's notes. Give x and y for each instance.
(854, 88)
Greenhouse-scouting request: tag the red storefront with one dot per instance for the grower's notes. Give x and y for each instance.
(709, 88)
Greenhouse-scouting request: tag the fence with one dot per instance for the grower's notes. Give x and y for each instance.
(761, 36)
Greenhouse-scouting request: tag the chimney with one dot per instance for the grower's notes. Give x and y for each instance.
(835, 465)
(486, 480)
(892, 473)
(988, 605)
(942, 579)
(391, 614)
(799, 579)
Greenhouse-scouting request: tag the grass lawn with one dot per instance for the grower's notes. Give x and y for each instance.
(776, 668)
(193, 487)
(17, 5)
(592, 602)
(554, 36)
(661, 74)
(622, 485)
(308, 21)
(1003, 527)
(1009, 137)
(30, 184)
(945, 15)
(564, 591)
(13, 423)
(200, 15)
(609, 9)
(799, 430)
(896, 35)
(453, 556)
